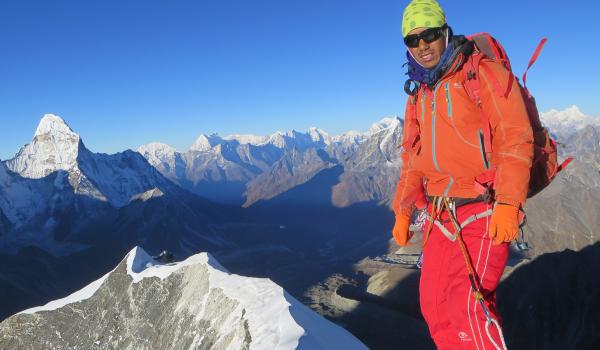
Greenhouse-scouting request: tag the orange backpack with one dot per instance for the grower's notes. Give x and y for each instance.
(545, 164)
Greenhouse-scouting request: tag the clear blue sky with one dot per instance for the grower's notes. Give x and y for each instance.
(123, 73)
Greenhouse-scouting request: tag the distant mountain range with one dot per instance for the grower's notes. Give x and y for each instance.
(246, 168)
(55, 189)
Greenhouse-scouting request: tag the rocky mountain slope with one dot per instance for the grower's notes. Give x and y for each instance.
(197, 303)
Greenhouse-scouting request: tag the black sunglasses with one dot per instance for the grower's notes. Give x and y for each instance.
(428, 35)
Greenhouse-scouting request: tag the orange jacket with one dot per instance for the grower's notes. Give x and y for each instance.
(447, 154)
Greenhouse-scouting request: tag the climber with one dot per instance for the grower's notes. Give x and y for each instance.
(467, 237)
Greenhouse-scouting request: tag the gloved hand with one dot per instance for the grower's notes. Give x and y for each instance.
(401, 229)
(504, 225)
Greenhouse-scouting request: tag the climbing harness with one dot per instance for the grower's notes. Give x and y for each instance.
(439, 205)
(436, 212)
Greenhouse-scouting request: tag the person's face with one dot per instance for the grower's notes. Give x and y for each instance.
(428, 54)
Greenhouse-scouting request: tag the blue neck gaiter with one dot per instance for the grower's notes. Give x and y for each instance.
(426, 76)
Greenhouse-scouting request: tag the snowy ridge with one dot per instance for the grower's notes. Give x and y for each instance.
(275, 319)
(320, 136)
(271, 311)
(383, 124)
(314, 137)
(247, 139)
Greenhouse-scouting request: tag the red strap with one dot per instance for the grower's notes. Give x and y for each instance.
(479, 188)
(560, 167)
(496, 82)
(564, 164)
(534, 58)
(484, 181)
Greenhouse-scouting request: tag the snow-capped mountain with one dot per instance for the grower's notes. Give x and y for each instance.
(205, 143)
(195, 303)
(55, 194)
(115, 179)
(159, 154)
(566, 122)
(54, 147)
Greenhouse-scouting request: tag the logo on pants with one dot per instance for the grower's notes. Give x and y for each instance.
(463, 336)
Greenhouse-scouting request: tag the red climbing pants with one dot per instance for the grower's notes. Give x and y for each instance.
(455, 319)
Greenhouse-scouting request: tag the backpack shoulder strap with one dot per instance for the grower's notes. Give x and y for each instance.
(413, 132)
(472, 85)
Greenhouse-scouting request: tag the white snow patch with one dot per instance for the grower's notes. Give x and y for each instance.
(156, 151)
(147, 195)
(247, 139)
(383, 124)
(51, 123)
(205, 143)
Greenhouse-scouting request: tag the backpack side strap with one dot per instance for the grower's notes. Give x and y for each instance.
(534, 58)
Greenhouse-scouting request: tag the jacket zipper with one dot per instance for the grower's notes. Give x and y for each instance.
(448, 99)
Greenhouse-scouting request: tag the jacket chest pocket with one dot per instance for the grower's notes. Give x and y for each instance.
(461, 110)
